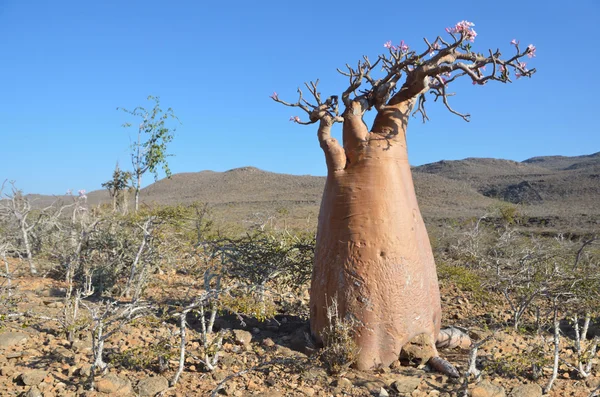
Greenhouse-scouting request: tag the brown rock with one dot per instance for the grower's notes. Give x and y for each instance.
(33, 378)
(7, 371)
(152, 385)
(115, 386)
(33, 392)
(487, 389)
(419, 348)
(8, 339)
(406, 384)
(529, 390)
(242, 337)
(342, 383)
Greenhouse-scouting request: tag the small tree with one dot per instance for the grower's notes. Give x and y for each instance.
(151, 154)
(118, 185)
(372, 249)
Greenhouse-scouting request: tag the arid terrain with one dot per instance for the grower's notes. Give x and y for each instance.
(554, 191)
(506, 235)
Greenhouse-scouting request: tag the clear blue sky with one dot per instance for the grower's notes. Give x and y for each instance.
(66, 65)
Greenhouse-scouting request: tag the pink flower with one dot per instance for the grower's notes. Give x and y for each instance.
(388, 44)
(482, 68)
(403, 47)
(502, 68)
(81, 192)
(465, 28)
(519, 75)
(295, 119)
(530, 50)
(522, 65)
(434, 47)
(474, 82)
(514, 42)
(274, 96)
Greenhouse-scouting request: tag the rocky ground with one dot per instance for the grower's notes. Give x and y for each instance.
(269, 358)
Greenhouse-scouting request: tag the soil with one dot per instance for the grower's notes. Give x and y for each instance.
(271, 359)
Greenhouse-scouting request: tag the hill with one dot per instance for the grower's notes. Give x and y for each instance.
(558, 189)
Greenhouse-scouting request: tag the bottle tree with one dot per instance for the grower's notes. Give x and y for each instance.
(372, 253)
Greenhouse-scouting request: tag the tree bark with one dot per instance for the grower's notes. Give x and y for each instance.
(372, 253)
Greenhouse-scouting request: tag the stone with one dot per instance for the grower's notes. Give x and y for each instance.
(342, 383)
(268, 342)
(406, 384)
(114, 385)
(33, 392)
(63, 355)
(529, 390)
(152, 385)
(33, 378)
(7, 371)
(486, 388)
(85, 370)
(8, 339)
(81, 346)
(242, 337)
(419, 349)
(383, 393)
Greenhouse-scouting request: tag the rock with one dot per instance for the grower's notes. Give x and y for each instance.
(33, 378)
(33, 392)
(63, 355)
(406, 384)
(529, 390)
(81, 346)
(152, 385)
(7, 371)
(242, 337)
(487, 389)
(268, 342)
(342, 383)
(593, 381)
(85, 370)
(8, 339)
(383, 393)
(307, 391)
(419, 348)
(115, 386)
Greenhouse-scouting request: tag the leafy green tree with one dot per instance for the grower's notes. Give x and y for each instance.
(151, 154)
(117, 185)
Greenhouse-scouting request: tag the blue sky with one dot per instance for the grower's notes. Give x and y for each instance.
(68, 64)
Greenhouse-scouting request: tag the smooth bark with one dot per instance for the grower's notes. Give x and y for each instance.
(373, 253)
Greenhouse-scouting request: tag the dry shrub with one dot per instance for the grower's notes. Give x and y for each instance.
(340, 350)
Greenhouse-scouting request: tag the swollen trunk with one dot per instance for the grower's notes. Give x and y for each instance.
(373, 254)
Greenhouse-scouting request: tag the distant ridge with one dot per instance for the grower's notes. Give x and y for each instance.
(547, 186)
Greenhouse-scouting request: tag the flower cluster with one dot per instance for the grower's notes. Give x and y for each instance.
(295, 119)
(274, 96)
(434, 47)
(530, 48)
(402, 46)
(465, 28)
(82, 194)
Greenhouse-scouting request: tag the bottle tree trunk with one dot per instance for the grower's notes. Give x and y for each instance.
(373, 254)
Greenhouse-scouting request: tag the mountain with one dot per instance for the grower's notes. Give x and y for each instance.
(551, 187)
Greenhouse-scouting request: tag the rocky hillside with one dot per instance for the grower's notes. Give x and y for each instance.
(548, 187)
